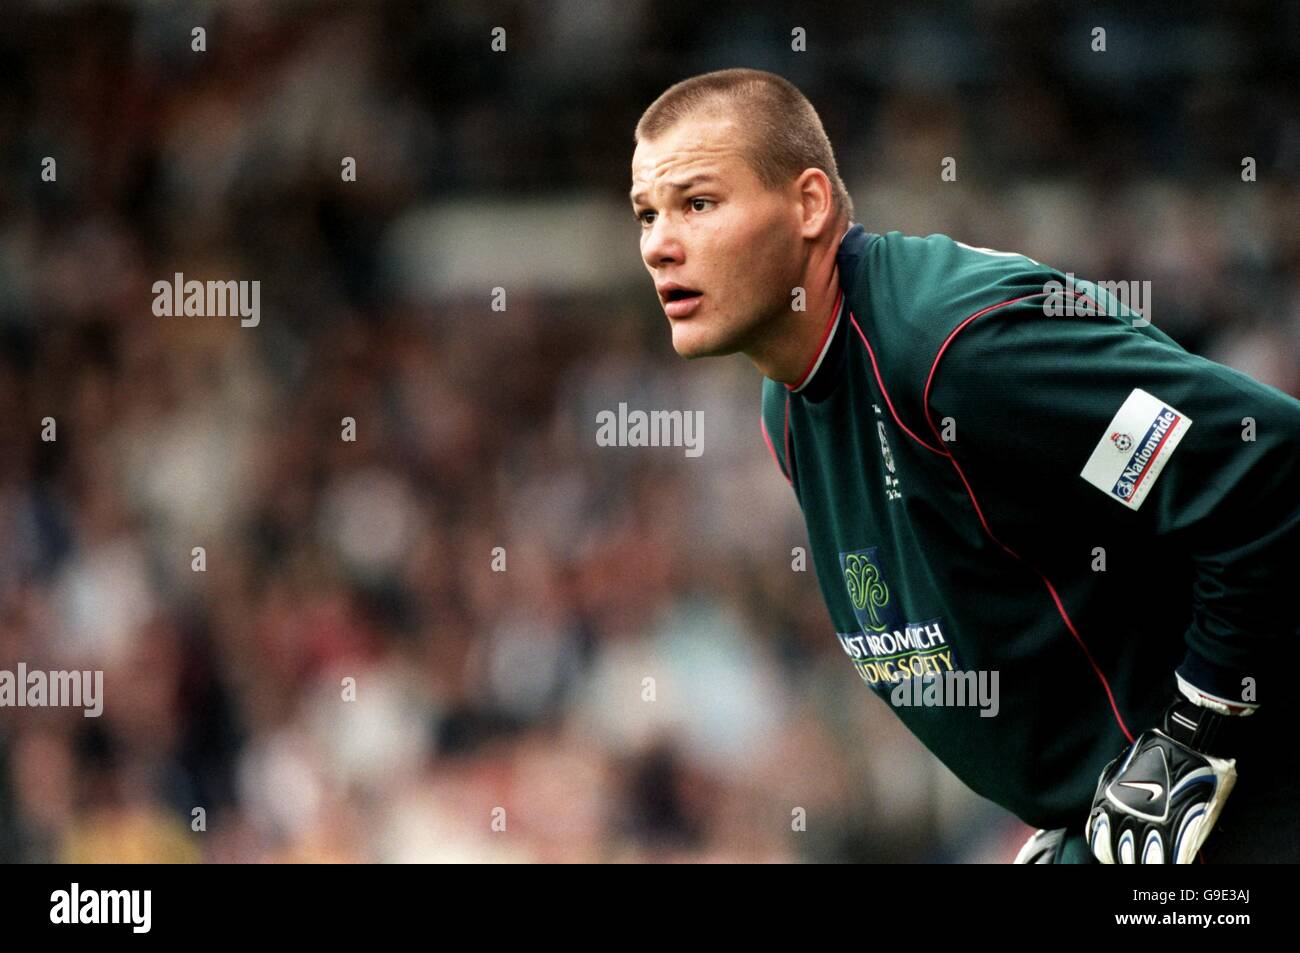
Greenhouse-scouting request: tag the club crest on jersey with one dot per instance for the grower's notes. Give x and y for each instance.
(1143, 435)
(892, 491)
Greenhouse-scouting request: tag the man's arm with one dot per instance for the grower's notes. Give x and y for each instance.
(1186, 449)
(1093, 408)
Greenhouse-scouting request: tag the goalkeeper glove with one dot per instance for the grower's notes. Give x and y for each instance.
(1158, 801)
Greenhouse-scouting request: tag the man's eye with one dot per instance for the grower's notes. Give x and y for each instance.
(640, 216)
(708, 201)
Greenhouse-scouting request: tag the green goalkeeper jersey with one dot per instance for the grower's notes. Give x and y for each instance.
(1009, 473)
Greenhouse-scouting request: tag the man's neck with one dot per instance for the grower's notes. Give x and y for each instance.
(792, 341)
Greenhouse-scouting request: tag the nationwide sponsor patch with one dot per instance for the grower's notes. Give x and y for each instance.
(1137, 444)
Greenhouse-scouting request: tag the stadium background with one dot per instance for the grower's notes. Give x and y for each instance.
(326, 559)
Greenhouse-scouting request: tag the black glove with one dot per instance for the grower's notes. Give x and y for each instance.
(1158, 801)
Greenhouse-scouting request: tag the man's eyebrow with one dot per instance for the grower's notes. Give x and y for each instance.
(679, 186)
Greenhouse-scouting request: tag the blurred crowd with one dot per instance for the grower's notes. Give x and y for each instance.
(470, 633)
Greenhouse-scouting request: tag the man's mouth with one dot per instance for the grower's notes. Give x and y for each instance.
(681, 302)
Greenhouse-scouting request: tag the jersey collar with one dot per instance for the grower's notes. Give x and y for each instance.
(828, 338)
(816, 382)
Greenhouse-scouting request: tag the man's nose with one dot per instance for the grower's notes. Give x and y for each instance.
(661, 245)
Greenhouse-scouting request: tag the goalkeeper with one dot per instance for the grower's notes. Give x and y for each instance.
(1002, 471)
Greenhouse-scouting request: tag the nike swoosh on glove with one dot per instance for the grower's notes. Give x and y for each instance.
(1158, 802)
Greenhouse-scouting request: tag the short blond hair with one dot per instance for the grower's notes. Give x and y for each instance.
(785, 134)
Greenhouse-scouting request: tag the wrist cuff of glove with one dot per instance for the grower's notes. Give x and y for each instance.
(1201, 729)
(1213, 686)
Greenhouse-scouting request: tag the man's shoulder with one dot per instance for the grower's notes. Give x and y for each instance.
(911, 291)
(917, 273)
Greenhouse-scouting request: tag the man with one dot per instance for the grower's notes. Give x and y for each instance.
(1001, 474)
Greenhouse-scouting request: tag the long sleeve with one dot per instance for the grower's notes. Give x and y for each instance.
(1091, 411)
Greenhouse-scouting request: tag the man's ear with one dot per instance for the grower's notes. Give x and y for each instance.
(817, 203)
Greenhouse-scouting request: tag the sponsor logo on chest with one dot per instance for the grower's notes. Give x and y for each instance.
(887, 648)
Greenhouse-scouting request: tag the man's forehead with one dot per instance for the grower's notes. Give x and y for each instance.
(689, 147)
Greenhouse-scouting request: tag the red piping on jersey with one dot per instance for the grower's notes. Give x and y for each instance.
(768, 440)
(821, 348)
(789, 470)
(889, 403)
(983, 522)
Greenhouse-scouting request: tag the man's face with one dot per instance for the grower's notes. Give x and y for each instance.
(725, 236)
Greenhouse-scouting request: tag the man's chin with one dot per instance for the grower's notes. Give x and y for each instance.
(695, 341)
